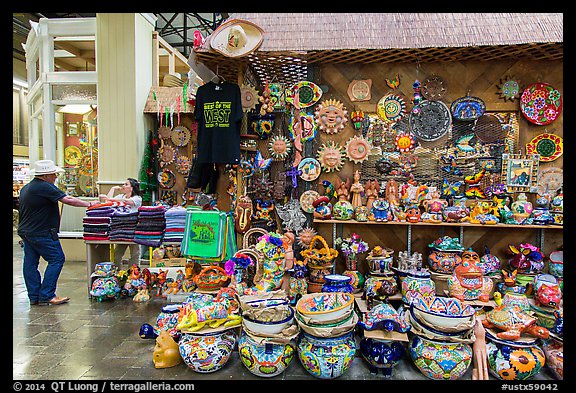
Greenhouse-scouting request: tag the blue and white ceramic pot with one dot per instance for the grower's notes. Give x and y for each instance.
(337, 283)
(327, 358)
(265, 360)
(440, 360)
(381, 354)
(206, 353)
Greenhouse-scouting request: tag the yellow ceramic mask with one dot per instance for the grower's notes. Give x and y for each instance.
(166, 353)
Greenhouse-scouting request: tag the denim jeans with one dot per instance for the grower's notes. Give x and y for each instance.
(36, 246)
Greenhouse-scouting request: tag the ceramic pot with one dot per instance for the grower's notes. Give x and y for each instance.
(357, 278)
(514, 362)
(440, 360)
(317, 273)
(387, 286)
(343, 210)
(314, 287)
(381, 354)
(167, 320)
(265, 360)
(327, 358)
(337, 283)
(206, 353)
(556, 264)
(416, 284)
(380, 265)
(489, 263)
(444, 261)
(554, 351)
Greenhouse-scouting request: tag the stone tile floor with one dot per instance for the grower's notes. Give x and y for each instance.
(87, 340)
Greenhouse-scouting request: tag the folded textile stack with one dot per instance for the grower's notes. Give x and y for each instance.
(175, 223)
(151, 225)
(96, 223)
(123, 225)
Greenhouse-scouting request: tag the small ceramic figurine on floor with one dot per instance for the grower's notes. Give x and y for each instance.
(166, 352)
(356, 190)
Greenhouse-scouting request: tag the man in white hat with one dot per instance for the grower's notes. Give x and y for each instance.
(38, 227)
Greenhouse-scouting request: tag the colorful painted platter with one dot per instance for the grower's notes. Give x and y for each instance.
(548, 146)
(391, 108)
(309, 93)
(541, 103)
(467, 108)
(180, 136)
(166, 178)
(307, 199)
(430, 120)
(72, 155)
(310, 168)
(309, 127)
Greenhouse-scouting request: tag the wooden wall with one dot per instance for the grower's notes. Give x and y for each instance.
(473, 78)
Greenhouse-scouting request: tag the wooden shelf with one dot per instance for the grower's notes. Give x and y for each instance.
(453, 224)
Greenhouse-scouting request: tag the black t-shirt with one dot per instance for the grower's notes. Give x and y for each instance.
(39, 210)
(219, 115)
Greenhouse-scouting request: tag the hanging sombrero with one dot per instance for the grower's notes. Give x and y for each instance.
(467, 108)
(541, 103)
(391, 108)
(548, 146)
(180, 136)
(309, 93)
(430, 120)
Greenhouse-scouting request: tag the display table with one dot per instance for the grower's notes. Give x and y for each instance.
(99, 251)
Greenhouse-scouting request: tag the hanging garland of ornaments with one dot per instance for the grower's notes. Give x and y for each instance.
(331, 116)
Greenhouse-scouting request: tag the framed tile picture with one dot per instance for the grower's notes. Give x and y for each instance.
(520, 172)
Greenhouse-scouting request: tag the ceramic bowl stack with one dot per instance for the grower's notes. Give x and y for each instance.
(327, 346)
(267, 344)
(442, 333)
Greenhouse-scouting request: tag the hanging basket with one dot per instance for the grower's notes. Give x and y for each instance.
(319, 257)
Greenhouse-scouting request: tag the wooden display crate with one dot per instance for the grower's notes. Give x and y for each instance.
(168, 262)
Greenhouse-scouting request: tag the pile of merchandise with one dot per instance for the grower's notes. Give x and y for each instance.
(151, 225)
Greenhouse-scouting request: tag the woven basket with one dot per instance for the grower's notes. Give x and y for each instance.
(319, 257)
(248, 236)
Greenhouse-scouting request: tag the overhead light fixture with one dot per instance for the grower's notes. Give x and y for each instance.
(77, 109)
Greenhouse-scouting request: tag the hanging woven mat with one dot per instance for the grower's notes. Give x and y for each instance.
(319, 257)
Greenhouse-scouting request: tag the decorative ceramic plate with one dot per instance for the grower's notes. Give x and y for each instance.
(488, 128)
(357, 149)
(249, 97)
(306, 200)
(166, 178)
(309, 93)
(550, 180)
(541, 103)
(359, 90)
(180, 136)
(72, 155)
(391, 108)
(309, 127)
(310, 168)
(549, 146)
(509, 88)
(430, 120)
(405, 142)
(166, 154)
(331, 156)
(164, 132)
(183, 164)
(467, 108)
(433, 88)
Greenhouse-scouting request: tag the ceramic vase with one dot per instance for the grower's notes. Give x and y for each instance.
(440, 360)
(556, 264)
(337, 283)
(380, 265)
(317, 273)
(206, 353)
(514, 362)
(265, 360)
(381, 354)
(416, 283)
(444, 261)
(554, 351)
(343, 210)
(357, 278)
(327, 358)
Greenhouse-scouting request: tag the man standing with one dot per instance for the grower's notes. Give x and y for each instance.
(38, 227)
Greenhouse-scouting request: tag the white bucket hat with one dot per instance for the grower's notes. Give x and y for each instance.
(45, 167)
(236, 38)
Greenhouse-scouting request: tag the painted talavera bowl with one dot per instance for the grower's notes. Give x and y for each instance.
(440, 360)
(273, 327)
(266, 359)
(206, 353)
(325, 306)
(443, 312)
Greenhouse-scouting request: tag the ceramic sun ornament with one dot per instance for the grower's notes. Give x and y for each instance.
(357, 149)
(331, 116)
(305, 237)
(509, 88)
(405, 142)
(249, 97)
(279, 147)
(331, 156)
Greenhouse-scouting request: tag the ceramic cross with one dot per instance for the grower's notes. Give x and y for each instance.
(294, 173)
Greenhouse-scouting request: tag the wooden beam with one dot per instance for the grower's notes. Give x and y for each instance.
(65, 65)
(88, 55)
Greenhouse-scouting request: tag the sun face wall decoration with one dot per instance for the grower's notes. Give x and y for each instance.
(249, 97)
(331, 156)
(279, 147)
(357, 149)
(331, 116)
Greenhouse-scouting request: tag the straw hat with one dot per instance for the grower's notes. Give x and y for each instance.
(236, 38)
(45, 167)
